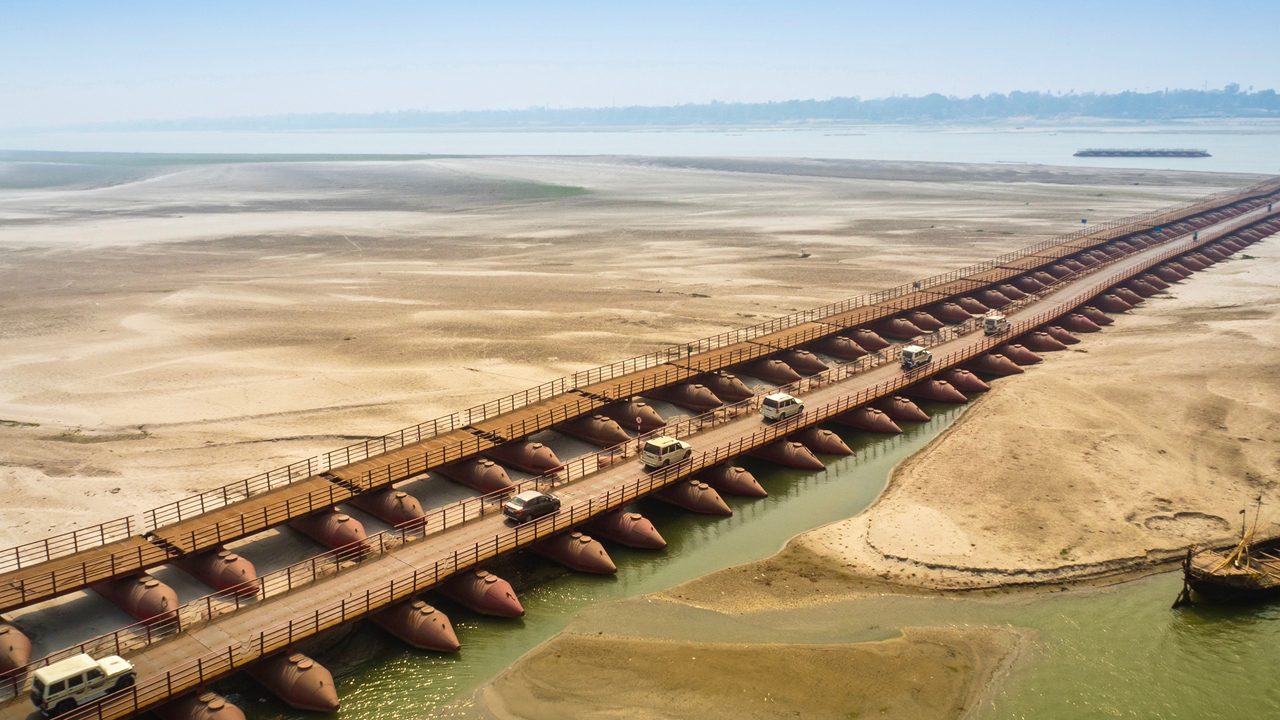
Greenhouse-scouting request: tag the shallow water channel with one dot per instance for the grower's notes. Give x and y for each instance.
(1118, 652)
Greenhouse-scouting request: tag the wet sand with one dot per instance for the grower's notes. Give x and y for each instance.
(923, 674)
(172, 328)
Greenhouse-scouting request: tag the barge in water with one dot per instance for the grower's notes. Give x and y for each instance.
(1143, 152)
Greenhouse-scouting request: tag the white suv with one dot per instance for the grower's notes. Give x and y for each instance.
(65, 685)
(663, 451)
(780, 406)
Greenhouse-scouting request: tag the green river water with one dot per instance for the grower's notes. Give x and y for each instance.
(1119, 652)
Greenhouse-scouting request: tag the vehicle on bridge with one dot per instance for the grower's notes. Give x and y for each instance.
(915, 357)
(780, 406)
(993, 323)
(63, 686)
(663, 451)
(530, 505)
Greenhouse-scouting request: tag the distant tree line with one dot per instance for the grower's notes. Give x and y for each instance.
(1228, 102)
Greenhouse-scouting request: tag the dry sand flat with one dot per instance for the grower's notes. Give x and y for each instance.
(175, 327)
(1151, 437)
(924, 674)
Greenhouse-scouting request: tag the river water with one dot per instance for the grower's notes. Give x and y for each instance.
(1118, 652)
(1235, 147)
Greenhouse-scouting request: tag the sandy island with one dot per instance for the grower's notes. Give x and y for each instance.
(933, 673)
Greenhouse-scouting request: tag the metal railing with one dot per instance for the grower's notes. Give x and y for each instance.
(70, 543)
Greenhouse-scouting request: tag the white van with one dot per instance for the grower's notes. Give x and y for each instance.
(993, 323)
(780, 406)
(63, 686)
(663, 451)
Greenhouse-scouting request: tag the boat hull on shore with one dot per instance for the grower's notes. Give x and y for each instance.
(1234, 575)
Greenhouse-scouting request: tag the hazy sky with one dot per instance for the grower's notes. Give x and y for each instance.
(64, 62)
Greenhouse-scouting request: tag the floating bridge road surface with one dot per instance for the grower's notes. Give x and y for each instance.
(246, 624)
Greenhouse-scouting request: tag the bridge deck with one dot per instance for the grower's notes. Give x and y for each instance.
(725, 357)
(439, 450)
(66, 574)
(793, 337)
(1025, 264)
(850, 319)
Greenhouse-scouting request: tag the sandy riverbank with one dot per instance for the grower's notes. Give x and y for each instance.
(175, 327)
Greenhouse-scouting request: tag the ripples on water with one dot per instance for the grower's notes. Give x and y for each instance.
(1124, 653)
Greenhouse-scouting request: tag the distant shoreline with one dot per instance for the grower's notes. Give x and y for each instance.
(1030, 124)
(1236, 146)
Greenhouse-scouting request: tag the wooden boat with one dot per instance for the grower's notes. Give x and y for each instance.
(1249, 571)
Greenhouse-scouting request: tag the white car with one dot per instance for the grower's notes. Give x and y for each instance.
(914, 356)
(780, 406)
(663, 451)
(63, 686)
